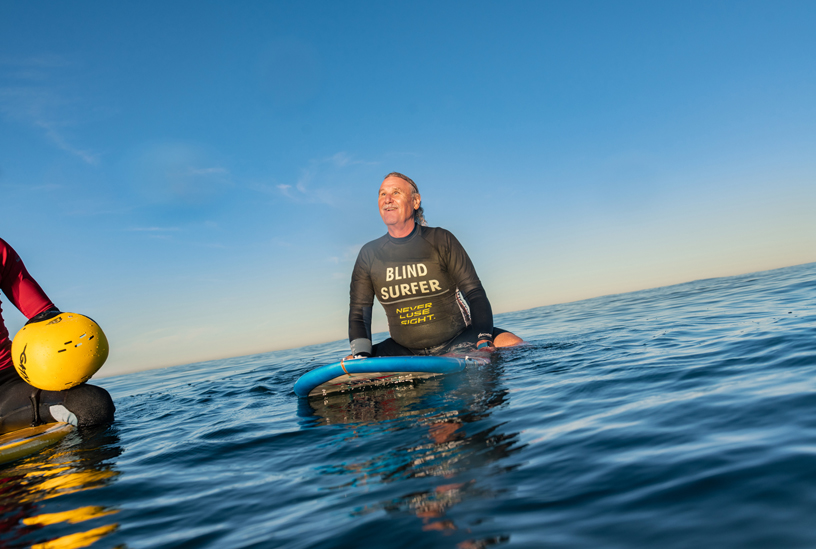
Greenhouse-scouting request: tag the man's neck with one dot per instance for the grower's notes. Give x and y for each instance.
(401, 230)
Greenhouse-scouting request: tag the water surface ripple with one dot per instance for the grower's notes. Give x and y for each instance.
(672, 417)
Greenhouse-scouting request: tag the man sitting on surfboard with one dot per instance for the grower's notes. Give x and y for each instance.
(425, 281)
(21, 404)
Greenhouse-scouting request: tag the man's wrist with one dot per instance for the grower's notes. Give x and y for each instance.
(360, 346)
(484, 340)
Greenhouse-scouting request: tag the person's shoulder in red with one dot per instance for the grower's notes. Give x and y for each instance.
(18, 285)
(7, 254)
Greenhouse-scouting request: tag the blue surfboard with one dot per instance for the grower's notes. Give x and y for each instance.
(348, 375)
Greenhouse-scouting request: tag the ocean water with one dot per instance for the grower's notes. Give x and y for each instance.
(675, 417)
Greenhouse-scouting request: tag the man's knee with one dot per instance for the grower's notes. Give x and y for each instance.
(89, 404)
(506, 339)
(84, 406)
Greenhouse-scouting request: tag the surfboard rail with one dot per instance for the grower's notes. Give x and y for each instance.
(348, 375)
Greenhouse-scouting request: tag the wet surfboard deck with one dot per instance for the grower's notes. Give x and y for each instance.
(30, 440)
(349, 375)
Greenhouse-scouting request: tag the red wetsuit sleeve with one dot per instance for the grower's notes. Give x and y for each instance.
(21, 289)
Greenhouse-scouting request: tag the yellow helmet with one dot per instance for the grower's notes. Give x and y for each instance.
(59, 353)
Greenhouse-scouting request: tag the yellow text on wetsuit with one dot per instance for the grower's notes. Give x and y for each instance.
(416, 314)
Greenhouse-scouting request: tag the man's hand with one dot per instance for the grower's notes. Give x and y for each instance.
(358, 355)
(485, 345)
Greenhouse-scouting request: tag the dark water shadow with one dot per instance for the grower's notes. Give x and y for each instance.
(433, 445)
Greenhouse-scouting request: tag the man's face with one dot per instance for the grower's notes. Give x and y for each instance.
(396, 203)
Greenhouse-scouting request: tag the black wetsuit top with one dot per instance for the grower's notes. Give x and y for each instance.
(420, 280)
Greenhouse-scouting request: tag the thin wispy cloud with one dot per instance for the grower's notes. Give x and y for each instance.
(154, 229)
(214, 245)
(209, 171)
(186, 236)
(306, 177)
(45, 187)
(347, 255)
(46, 61)
(97, 208)
(181, 174)
(321, 180)
(279, 242)
(34, 96)
(59, 140)
(342, 159)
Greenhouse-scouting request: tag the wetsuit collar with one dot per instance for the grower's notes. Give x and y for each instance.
(404, 239)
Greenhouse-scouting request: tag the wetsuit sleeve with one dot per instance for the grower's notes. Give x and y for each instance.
(21, 289)
(481, 313)
(462, 271)
(360, 304)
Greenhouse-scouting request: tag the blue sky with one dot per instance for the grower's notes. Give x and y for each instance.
(198, 176)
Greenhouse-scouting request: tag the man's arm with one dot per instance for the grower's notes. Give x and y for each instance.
(462, 271)
(360, 331)
(361, 301)
(481, 316)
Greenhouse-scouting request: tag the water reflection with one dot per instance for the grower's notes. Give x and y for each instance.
(44, 499)
(444, 433)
